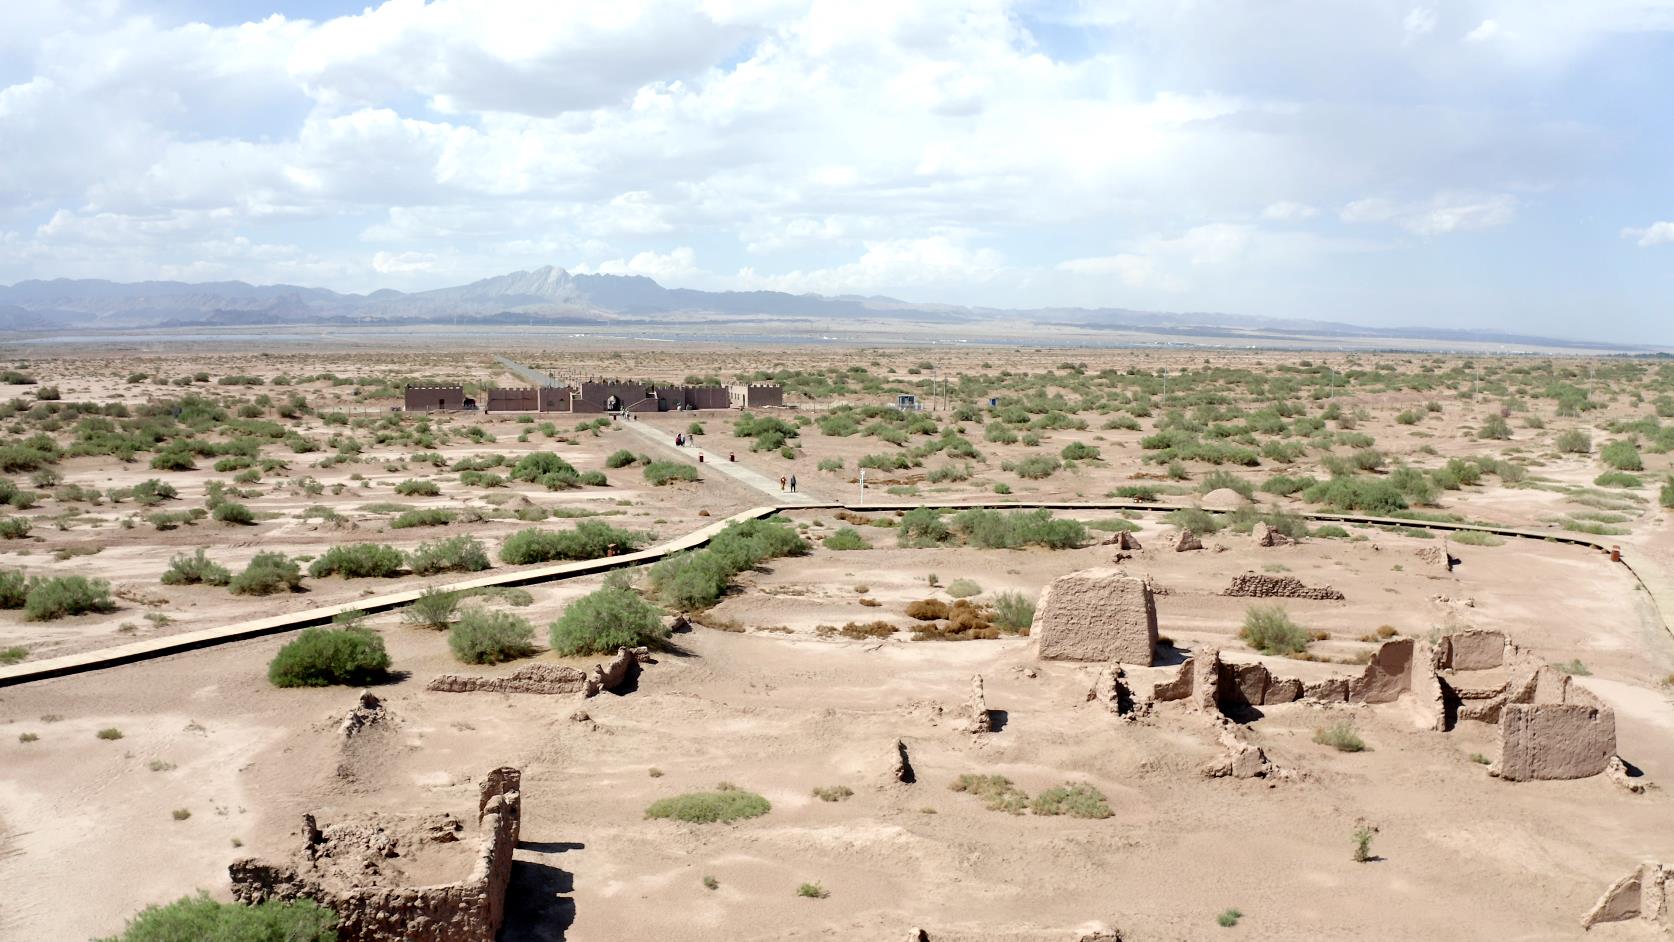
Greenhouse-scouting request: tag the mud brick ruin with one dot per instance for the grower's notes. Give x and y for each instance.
(386, 875)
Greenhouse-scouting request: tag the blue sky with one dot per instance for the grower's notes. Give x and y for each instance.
(1479, 163)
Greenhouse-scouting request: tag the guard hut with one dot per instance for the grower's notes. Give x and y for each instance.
(906, 402)
(434, 398)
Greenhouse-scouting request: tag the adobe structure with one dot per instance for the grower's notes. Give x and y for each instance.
(388, 876)
(598, 397)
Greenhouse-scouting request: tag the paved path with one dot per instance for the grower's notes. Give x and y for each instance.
(528, 373)
(663, 439)
(28, 671)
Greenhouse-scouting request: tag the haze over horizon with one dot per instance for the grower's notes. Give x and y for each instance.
(1481, 164)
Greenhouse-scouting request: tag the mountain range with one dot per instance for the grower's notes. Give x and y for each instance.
(555, 296)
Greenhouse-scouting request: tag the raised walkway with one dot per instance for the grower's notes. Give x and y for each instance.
(240, 631)
(660, 438)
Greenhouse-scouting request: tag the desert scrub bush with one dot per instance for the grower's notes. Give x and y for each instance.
(1573, 442)
(1078, 800)
(422, 517)
(173, 458)
(109, 734)
(267, 574)
(833, 793)
(611, 617)
(234, 513)
(1573, 667)
(1268, 629)
(1494, 428)
(1341, 736)
(201, 918)
(1362, 838)
(725, 804)
(830, 464)
(922, 526)
(812, 891)
(694, 581)
(1034, 467)
(1143, 493)
(1622, 455)
(413, 487)
(993, 529)
(659, 473)
(846, 538)
(14, 588)
(321, 657)
(1013, 612)
(196, 569)
(955, 471)
(13, 654)
(1666, 496)
(1330, 531)
(14, 528)
(454, 554)
(620, 458)
(481, 636)
(1476, 538)
(963, 588)
(1228, 918)
(589, 539)
(358, 561)
(1079, 451)
(996, 792)
(1617, 479)
(1357, 494)
(434, 609)
(61, 596)
(1195, 520)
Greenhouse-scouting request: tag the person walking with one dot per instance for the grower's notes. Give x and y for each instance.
(781, 482)
(793, 484)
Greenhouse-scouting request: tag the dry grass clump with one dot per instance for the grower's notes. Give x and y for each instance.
(858, 631)
(1341, 736)
(927, 609)
(833, 793)
(996, 791)
(964, 621)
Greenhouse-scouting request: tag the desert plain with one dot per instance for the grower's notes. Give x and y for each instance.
(135, 784)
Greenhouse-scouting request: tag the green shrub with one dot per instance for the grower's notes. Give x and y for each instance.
(1143, 493)
(196, 569)
(717, 807)
(1476, 538)
(1573, 441)
(1666, 496)
(234, 513)
(963, 588)
(830, 464)
(1034, 467)
(609, 618)
(482, 636)
(1194, 519)
(60, 596)
(1623, 456)
(1013, 611)
(1079, 451)
(996, 792)
(412, 487)
(1228, 918)
(1341, 736)
(434, 609)
(539, 466)
(1330, 531)
(13, 654)
(694, 581)
(321, 657)
(659, 473)
(201, 919)
(173, 459)
(1617, 479)
(590, 539)
(1375, 496)
(14, 528)
(1268, 629)
(454, 554)
(266, 574)
(812, 891)
(620, 458)
(992, 529)
(846, 538)
(14, 588)
(922, 526)
(423, 517)
(1078, 800)
(358, 561)
(1495, 428)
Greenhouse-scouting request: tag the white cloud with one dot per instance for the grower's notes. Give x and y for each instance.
(1288, 211)
(1484, 31)
(1420, 21)
(1657, 233)
(672, 266)
(889, 266)
(402, 263)
(1443, 213)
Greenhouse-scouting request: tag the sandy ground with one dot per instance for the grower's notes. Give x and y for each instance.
(88, 828)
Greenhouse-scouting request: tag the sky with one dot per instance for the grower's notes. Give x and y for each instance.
(1504, 164)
